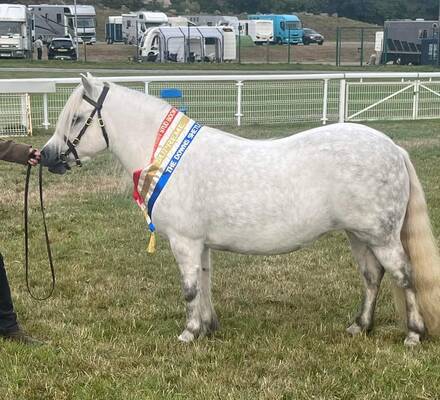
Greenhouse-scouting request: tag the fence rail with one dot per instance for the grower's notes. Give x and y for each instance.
(248, 99)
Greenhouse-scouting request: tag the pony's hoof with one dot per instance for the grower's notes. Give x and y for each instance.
(412, 339)
(354, 329)
(214, 325)
(186, 336)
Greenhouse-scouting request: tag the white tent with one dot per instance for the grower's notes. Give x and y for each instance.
(180, 44)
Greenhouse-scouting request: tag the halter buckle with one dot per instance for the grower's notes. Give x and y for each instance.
(89, 121)
(101, 122)
(63, 157)
(75, 142)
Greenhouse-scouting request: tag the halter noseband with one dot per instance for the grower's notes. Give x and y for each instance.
(72, 144)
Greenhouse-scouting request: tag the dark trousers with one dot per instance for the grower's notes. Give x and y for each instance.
(39, 53)
(8, 318)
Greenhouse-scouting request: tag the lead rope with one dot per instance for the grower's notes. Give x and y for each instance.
(26, 233)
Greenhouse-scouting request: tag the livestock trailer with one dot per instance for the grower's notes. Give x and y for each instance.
(113, 29)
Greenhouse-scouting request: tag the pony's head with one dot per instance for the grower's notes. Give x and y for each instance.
(80, 131)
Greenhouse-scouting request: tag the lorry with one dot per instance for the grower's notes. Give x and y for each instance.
(404, 41)
(287, 29)
(136, 23)
(15, 31)
(259, 30)
(51, 20)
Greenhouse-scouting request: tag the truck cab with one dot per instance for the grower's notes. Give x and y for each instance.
(86, 22)
(15, 31)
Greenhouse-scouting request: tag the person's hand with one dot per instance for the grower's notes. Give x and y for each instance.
(34, 156)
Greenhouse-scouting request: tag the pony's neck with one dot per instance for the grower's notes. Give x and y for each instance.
(134, 120)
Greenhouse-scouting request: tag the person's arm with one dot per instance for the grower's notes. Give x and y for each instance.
(18, 153)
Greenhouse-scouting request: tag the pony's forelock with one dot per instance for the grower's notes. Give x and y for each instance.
(63, 126)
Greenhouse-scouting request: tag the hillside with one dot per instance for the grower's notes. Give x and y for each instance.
(327, 25)
(324, 24)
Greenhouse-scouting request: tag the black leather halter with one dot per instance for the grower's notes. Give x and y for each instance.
(72, 144)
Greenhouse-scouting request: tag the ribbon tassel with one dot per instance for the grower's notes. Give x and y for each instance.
(152, 243)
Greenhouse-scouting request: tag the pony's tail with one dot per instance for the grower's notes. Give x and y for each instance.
(420, 246)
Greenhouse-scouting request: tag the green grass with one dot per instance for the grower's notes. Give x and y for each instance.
(125, 68)
(111, 328)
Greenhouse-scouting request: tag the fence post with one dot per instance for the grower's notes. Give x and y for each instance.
(337, 46)
(416, 99)
(146, 87)
(239, 85)
(342, 100)
(29, 115)
(325, 103)
(46, 122)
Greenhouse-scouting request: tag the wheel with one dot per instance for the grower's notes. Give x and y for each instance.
(320, 43)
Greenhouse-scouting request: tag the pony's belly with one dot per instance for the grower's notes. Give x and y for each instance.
(263, 242)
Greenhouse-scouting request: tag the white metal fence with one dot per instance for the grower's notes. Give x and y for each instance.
(251, 99)
(15, 118)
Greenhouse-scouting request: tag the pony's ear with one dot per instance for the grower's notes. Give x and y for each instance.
(87, 84)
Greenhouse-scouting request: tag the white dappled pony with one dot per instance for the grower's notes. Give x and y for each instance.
(272, 197)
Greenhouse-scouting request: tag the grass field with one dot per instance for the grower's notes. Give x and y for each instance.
(111, 328)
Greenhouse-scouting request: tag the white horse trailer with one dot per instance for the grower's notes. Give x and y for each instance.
(15, 31)
(259, 30)
(189, 44)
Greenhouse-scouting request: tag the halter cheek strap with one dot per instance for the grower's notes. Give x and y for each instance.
(97, 110)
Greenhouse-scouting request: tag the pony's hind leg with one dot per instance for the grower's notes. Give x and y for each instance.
(191, 257)
(372, 273)
(395, 261)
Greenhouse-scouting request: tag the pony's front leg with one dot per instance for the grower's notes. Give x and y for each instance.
(188, 254)
(209, 317)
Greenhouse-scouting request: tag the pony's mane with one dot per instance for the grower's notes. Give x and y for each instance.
(140, 96)
(75, 99)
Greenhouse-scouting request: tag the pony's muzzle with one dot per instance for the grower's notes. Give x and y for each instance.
(53, 161)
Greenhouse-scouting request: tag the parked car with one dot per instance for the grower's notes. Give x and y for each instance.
(311, 36)
(61, 49)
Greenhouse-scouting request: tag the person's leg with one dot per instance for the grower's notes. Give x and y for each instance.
(9, 328)
(40, 53)
(8, 318)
